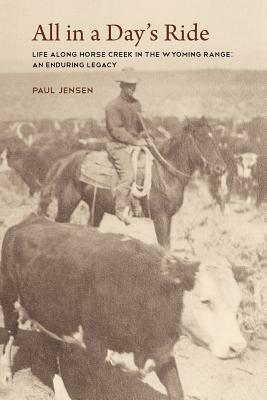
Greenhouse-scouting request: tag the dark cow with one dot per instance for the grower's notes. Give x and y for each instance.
(47, 126)
(260, 175)
(105, 291)
(32, 163)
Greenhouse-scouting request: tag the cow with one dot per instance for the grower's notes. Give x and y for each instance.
(239, 177)
(246, 164)
(47, 126)
(100, 291)
(32, 163)
(221, 185)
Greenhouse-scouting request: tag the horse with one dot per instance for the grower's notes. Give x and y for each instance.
(175, 161)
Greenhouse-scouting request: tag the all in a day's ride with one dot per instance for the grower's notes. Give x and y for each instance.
(180, 156)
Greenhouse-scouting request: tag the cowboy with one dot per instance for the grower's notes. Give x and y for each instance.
(124, 128)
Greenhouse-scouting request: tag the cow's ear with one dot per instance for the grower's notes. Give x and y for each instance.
(189, 272)
(180, 269)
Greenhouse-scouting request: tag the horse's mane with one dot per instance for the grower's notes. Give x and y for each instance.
(169, 150)
(166, 146)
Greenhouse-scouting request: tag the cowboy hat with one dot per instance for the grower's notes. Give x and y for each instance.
(128, 75)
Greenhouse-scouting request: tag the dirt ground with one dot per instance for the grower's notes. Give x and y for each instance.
(236, 238)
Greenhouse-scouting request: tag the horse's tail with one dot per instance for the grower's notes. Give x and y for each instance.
(48, 188)
(59, 174)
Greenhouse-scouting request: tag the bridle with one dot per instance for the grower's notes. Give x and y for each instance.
(170, 168)
(203, 158)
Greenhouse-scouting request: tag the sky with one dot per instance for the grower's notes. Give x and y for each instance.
(235, 26)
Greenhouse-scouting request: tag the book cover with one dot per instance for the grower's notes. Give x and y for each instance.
(182, 87)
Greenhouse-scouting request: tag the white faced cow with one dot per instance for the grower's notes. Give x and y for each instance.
(210, 311)
(246, 164)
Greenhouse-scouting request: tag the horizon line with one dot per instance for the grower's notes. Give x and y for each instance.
(141, 70)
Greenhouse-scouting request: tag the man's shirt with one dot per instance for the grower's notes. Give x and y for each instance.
(122, 120)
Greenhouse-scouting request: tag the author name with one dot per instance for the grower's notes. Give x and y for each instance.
(63, 90)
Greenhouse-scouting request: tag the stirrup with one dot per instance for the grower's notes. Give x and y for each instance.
(137, 208)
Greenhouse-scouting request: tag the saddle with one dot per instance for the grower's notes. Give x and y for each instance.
(98, 170)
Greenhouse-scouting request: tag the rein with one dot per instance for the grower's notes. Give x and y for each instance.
(155, 152)
(170, 168)
(205, 161)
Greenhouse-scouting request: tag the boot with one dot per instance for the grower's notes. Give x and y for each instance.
(123, 215)
(122, 201)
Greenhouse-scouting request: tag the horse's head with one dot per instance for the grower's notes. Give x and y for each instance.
(204, 149)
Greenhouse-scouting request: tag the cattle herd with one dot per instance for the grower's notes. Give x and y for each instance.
(121, 303)
(31, 148)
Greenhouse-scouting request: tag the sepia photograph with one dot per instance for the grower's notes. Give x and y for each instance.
(133, 188)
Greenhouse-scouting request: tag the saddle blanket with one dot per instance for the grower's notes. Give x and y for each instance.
(97, 170)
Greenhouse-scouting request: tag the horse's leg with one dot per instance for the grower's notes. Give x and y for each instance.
(99, 201)
(68, 199)
(162, 224)
(93, 197)
(96, 216)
